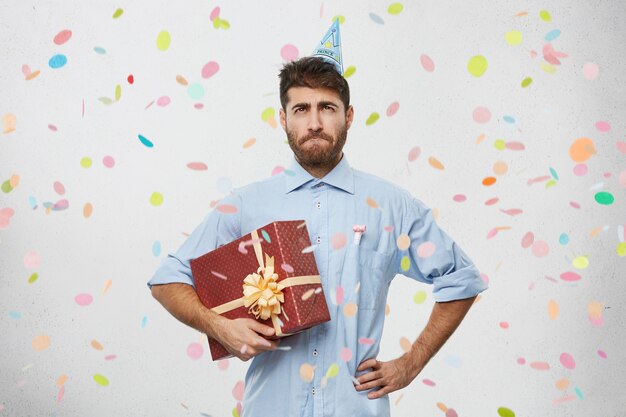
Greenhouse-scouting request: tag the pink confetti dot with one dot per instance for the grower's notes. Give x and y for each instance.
(426, 249)
(58, 188)
(393, 108)
(366, 341)
(492, 201)
(504, 325)
(602, 354)
(429, 382)
(289, 53)
(481, 115)
(277, 170)
(31, 260)
(459, 198)
(570, 276)
(621, 146)
(238, 391)
(451, 413)
(223, 364)
(110, 357)
(521, 361)
(338, 241)
(226, 208)
(603, 126)
(52, 127)
(574, 204)
(485, 278)
(108, 161)
(214, 14)
(163, 101)
(414, 153)
(62, 37)
(580, 169)
(427, 63)
(591, 70)
(540, 366)
(83, 300)
(210, 69)
(197, 166)
(622, 178)
(195, 351)
(5, 217)
(567, 360)
(198, 106)
(345, 354)
(540, 249)
(287, 268)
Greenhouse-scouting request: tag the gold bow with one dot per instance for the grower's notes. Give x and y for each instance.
(262, 294)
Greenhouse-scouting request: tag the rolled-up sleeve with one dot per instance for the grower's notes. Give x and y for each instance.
(220, 226)
(435, 258)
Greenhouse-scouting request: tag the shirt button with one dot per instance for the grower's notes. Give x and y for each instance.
(319, 240)
(319, 205)
(313, 390)
(314, 352)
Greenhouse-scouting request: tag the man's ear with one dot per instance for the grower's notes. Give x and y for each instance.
(283, 118)
(349, 116)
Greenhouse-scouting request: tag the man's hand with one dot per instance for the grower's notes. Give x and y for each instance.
(245, 339)
(387, 376)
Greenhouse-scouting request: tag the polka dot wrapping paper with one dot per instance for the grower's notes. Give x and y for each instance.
(219, 276)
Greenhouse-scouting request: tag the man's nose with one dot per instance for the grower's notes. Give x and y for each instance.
(315, 122)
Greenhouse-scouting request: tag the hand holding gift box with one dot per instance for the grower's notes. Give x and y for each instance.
(277, 282)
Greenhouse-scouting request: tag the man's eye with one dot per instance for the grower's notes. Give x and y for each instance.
(329, 108)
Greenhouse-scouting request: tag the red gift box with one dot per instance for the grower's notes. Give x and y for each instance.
(238, 280)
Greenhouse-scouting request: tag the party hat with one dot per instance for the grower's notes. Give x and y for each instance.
(329, 48)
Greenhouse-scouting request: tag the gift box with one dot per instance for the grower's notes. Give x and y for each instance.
(269, 275)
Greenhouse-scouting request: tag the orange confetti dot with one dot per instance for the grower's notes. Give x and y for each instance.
(480, 138)
(387, 310)
(249, 143)
(562, 384)
(582, 149)
(540, 366)
(96, 345)
(520, 14)
(181, 80)
(489, 181)
(435, 163)
(553, 310)
(371, 202)
(14, 180)
(595, 310)
(405, 344)
(350, 309)
(307, 372)
(500, 168)
(41, 343)
(61, 380)
(106, 286)
(87, 210)
(442, 407)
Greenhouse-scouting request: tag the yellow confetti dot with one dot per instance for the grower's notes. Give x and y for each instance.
(118, 92)
(371, 202)
(349, 71)
(332, 371)
(526, 82)
(156, 199)
(101, 380)
(545, 16)
(307, 372)
(403, 242)
(373, 118)
(350, 309)
(499, 144)
(581, 262)
(268, 113)
(41, 343)
(163, 40)
(395, 8)
(85, 162)
(547, 67)
(513, 37)
(419, 297)
(553, 310)
(341, 18)
(477, 65)
(621, 249)
(405, 344)
(435, 163)
(405, 263)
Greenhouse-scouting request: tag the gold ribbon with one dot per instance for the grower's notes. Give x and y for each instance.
(262, 292)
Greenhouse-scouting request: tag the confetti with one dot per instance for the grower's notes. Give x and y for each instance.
(345, 354)
(414, 153)
(144, 321)
(540, 248)
(553, 310)
(403, 241)
(195, 91)
(338, 241)
(309, 249)
(308, 294)
(249, 143)
(350, 309)
(427, 63)
(371, 202)
(487, 181)
(505, 412)
(552, 35)
(395, 8)
(405, 263)
(289, 53)
(28, 74)
(197, 166)
(376, 19)
(163, 40)
(57, 61)
(603, 126)
(540, 366)
(435, 163)
(567, 360)
(349, 71)
(83, 300)
(513, 37)
(393, 108)
(526, 82)
(41, 343)
(332, 371)
(591, 70)
(372, 119)
(33, 278)
(145, 141)
(156, 199)
(9, 122)
(459, 198)
(481, 115)
(307, 372)
(570, 276)
(96, 345)
(31, 260)
(101, 380)
(477, 65)
(604, 198)
(195, 351)
(287, 268)
(118, 13)
(405, 344)
(209, 69)
(5, 217)
(366, 341)
(426, 249)
(419, 297)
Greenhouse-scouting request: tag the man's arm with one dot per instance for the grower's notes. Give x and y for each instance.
(241, 337)
(398, 373)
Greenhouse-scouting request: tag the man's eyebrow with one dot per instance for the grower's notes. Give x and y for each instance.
(327, 103)
(301, 105)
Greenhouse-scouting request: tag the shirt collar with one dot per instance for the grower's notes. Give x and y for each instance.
(341, 176)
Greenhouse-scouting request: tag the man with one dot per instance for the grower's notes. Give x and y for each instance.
(321, 188)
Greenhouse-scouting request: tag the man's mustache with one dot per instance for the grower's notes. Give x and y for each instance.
(316, 136)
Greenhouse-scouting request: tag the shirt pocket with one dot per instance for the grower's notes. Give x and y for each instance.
(366, 269)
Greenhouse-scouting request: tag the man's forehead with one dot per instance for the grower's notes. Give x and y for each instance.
(312, 95)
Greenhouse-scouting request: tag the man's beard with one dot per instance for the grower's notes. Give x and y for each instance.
(317, 155)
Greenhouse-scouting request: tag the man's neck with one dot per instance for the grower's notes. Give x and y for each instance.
(320, 171)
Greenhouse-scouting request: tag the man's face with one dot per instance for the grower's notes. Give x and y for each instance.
(317, 125)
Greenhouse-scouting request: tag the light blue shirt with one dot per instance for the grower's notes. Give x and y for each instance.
(331, 207)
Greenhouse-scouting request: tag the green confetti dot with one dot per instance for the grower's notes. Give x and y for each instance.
(156, 199)
(195, 91)
(33, 278)
(505, 412)
(221, 24)
(118, 92)
(268, 114)
(604, 198)
(266, 236)
(395, 8)
(85, 162)
(163, 40)
(499, 144)
(477, 65)
(513, 37)
(101, 380)
(545, 16)
(550, 183)
(333, 371)
(342, 19)
(419, 297)
(349, 71)
(118, 13)
(405, 263)
(6, 187)
(372, 119)
(526, 82)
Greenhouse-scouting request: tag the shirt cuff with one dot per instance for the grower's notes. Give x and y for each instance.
(172, 270)
(458, 285)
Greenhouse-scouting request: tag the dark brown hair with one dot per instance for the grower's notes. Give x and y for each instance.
(313, 72)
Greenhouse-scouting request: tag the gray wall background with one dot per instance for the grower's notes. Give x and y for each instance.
(488, 364)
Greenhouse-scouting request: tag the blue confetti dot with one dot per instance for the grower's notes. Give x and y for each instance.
(144, 321)
(289, 172)
(554, 174)
(15, 315)
(32, 202)
(195, 91)
(509, 119)
(57, 61)
(377, 19)
(156, 248)
(145, 141)
(266, 236)
(99, 50)
(564, 239)
(579, 393)
(552, 35)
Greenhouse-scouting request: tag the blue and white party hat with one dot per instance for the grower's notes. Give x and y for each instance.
(329, 48)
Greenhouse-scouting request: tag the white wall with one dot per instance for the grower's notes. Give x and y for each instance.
(483, 367)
